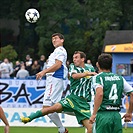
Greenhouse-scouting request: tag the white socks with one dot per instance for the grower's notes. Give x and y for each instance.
(56, 120)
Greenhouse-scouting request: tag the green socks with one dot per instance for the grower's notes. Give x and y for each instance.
(35, 115)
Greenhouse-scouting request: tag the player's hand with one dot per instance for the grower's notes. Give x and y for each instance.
(40, 75)
(94, 73)
(91, 73)
(127, 117)
(92, 119)
(6, 129)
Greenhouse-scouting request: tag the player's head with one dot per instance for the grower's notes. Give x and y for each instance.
(79, 58)
(57, 39)
(59, 35)
(105, 61)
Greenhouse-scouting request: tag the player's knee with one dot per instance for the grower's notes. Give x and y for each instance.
(57, 107)
(89, 128)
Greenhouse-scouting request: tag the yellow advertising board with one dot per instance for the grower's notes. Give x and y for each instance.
(119, 48)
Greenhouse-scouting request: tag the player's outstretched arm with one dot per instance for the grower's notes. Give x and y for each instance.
(128, 116)
(53, 68)
(81, 75)
(97, 102)
(4, 119)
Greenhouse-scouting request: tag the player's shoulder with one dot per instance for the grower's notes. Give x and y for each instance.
(98, 76)
(118, 76)
(71, 65)
(89, 67)
(60, 48)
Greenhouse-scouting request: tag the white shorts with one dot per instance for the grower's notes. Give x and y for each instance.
(53, 91)
(66, 82)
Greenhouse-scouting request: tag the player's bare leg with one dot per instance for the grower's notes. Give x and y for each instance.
(44, 111)
(88, 125)
(56, 120)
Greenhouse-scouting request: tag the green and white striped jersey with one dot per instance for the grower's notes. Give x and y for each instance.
(81, 87)
(113, 88)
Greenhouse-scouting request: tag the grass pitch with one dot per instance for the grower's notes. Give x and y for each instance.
(50, 130)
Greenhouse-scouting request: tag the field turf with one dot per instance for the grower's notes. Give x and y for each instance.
(50, 130)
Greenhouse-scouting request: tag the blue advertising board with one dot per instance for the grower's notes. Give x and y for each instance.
(25, 96)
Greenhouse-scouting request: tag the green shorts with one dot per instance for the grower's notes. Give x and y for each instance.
(108, 122)
(78, 105)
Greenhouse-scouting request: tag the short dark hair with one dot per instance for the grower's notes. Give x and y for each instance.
(82, 54)
(105, 61)
(59, 35)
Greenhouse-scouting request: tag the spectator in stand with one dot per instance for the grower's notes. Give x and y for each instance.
(6, 69)
(35, 68)
(16, 68)
(28, 63)
(89, 62)
(42, 61)
(45, 65)
(22, 64)
(68, 63)
(22, 73)
(96, 68)
(0, 71)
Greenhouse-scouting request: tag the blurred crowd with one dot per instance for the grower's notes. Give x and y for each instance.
(25, 69)
(22, 69)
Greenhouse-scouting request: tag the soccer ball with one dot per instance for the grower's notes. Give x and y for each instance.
(32, 15)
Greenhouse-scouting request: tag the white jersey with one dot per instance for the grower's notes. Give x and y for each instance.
(61, 55)
(54, 81)
(127, 87)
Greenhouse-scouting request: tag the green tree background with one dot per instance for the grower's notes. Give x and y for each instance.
(83, 23)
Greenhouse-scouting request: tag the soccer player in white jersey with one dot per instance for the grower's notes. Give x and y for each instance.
(77, 101)
(55, 72)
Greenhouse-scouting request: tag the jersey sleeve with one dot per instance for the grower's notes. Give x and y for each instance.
(60, 54)
(97, 82)
(90, 67)
(127, 88)
(72, 69)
